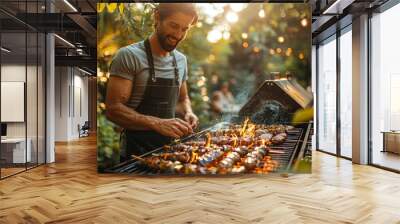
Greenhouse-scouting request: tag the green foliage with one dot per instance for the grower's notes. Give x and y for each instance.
(281, 20)
(107, 143)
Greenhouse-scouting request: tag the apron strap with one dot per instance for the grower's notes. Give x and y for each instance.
(176, 70)
(150, 59)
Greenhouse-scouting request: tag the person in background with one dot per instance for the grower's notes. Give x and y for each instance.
(222, 101)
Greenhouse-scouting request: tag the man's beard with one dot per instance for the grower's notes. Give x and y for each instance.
(162, 39)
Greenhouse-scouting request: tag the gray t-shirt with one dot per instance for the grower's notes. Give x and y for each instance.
(130, 62)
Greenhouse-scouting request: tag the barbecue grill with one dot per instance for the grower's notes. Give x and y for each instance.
(297, 145)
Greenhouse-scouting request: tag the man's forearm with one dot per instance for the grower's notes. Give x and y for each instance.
(129, 118)
(186, 105)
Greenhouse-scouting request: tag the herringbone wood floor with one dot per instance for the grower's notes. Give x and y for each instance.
(71, 191)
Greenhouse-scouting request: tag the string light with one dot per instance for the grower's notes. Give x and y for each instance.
(301, 56)
(232, 17)
(278, 50)
(272, 51)
(237, 7)
(261, 13)
(244, 35)
(226, 35)
(281, 39)
(289, 51)
(304, 22)
(245, 44)
(256, 49)
(102, 105)
(214, 36)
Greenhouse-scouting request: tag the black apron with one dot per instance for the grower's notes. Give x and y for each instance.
(159, 100)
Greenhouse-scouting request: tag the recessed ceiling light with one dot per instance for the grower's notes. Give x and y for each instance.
(64, 40)
(5, 50)
(70, 5)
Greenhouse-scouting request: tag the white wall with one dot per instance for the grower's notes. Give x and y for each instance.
(34, 125)
(71, 94)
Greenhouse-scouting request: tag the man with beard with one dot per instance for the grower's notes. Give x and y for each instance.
(148, 82)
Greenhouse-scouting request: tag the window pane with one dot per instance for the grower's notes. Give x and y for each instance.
(327, 97)
(346, 94)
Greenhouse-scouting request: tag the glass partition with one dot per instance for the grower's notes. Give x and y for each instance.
(327, 96)
(346, 93)
(22, 89)
(15, 150)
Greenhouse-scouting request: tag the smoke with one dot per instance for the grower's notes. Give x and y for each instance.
(271, 112)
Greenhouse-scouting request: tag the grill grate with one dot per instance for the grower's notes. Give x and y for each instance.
(284, 153)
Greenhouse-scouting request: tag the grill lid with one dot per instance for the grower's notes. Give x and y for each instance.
(287, 92)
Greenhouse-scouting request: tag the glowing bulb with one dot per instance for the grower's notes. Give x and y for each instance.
(272, 51)
(261, 13)
(237, 7)
(226, 35)
(256, 49)
(232, 17)
(281, 39)
(288, 51)
(278, 50)
(301, 56)
(245, 44)
(199, 24)
(244, 35)
(139, 6)
(304, 22)
(214, 36)
(103, 79)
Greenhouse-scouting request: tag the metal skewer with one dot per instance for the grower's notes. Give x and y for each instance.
(137, 157)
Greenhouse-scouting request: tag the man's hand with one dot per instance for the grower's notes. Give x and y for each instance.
(192, 119)
(174, 128)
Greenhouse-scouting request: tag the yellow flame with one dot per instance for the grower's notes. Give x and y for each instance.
(251, 130)
(208, 135)
(194, 157)
(234, 137)
(244, 126)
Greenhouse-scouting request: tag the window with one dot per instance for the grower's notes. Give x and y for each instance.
(385, 86)
(327, 96)
(346, 93)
